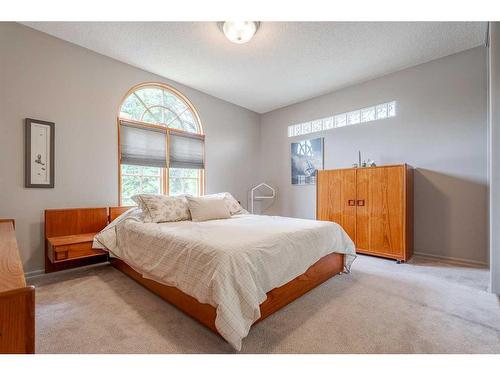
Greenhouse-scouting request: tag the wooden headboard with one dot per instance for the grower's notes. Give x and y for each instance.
(68, 221)
(71, 222)
(114, 212)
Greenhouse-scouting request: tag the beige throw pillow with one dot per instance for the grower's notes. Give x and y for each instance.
(207, 208)
(231, 203)
(162, 208)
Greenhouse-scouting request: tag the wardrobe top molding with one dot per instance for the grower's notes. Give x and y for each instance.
(378, 166)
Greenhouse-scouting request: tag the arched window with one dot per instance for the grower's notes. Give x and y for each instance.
(161, 143)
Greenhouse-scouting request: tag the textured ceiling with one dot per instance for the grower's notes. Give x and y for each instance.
(285, 63)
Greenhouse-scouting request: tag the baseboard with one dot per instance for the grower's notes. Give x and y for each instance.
(34, 273)
(452, 259)
(42, 272)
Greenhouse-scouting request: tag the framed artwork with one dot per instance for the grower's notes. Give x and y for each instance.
(39, 137)
(307, 158)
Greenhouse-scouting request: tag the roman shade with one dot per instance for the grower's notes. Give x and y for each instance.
(186, 150)
(147, 146)
(143, 146)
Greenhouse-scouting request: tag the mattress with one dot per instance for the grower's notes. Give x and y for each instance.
(230, 264)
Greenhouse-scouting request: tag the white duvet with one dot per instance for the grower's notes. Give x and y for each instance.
(230, 264)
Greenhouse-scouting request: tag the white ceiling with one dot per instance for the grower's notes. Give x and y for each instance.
(285, 63)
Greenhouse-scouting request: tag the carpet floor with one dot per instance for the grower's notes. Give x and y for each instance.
(424, 306)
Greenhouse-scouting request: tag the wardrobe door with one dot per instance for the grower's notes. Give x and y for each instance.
(336, 198)
(380, 210)
(349, 202)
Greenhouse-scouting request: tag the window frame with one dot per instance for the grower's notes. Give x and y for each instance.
(142, 176)
(164, 172)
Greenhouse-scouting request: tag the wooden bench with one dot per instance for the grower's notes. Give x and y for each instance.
(17, 300)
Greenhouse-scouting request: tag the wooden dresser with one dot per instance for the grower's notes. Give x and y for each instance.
(17, 300)
(374, 205)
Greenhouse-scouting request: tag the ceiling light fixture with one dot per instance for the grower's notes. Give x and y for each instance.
(239, 31)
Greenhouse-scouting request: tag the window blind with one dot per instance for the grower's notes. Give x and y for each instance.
(143, 146)
(186, 150)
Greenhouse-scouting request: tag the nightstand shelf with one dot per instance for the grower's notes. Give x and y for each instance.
(69, 234)
(77, 246)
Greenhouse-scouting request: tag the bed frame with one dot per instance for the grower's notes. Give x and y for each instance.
(325, 268)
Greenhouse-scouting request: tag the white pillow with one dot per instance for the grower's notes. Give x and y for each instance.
(207, 208)
(162, 208)
(232, 204)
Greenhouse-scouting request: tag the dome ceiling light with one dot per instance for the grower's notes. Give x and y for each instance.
(239, 31)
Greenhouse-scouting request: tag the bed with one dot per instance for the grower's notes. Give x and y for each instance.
(228, 274)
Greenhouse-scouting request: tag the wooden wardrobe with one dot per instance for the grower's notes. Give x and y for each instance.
(374, 205)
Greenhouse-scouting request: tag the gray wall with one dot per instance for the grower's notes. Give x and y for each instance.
(440, 129)
(494, 139)
(48, 79)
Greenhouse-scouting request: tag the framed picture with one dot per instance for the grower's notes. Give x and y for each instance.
(39, 137)
(307, 158)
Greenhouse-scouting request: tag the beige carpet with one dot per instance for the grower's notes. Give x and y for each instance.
(425, 306)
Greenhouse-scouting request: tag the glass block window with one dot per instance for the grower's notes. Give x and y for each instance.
(297, 130)
(341, 120)
(306, 128)
(359, 116)
(391, 109)
(328, 123)
(368, 114)
(381, 111)
(353, 118)
(317, 126)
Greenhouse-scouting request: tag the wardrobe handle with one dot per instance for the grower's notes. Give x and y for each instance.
(361, 202)
(351, 202)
